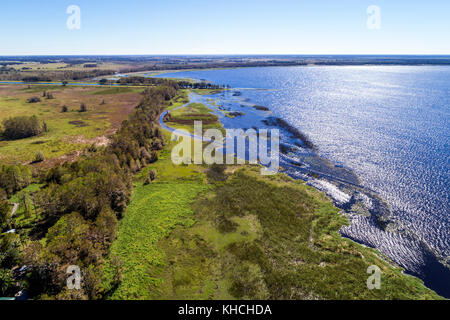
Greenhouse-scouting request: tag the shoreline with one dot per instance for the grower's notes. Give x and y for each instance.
(382, 216)
(380, 254)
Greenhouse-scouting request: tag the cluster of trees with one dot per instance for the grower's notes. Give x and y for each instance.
(145, 81)
(56, 75)
(200, 85)
(22, 127)
(13, 178)
(83, 200)
(48, 95)
(79, 75)
(9, 257)
(36, 79)
(7, 70)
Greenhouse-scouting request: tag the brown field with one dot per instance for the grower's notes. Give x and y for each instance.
(69, 132)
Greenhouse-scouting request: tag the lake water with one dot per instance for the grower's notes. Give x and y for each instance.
(383, 128)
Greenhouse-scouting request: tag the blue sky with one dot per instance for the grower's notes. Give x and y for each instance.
(32, 27)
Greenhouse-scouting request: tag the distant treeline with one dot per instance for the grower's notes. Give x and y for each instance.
(200, 85)
(66, 75)
(80, 205)
(141, 81)
(157, 63)
(129, 64)
(147, 61)
(54, 75)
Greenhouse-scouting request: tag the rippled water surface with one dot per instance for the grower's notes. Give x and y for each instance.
(389, 125)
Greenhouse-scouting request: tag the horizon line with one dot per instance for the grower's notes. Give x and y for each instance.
(231, 54)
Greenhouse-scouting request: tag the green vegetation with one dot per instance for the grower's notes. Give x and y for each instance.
(245, 237)
(183, 118)
(9, 256)
(26, 214)
(39, 157)
(211, 91)
(117, 90)
(154, 211)
(21, 127)
(5, 213)
(293, 249)
(13, 178)
(181, 99)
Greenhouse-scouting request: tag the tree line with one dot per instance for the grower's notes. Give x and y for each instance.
(200, 85)
(147, 81)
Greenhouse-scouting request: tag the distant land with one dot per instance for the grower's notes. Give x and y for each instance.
(67, 68)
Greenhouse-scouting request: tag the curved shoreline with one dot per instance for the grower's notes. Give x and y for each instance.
(380, 215)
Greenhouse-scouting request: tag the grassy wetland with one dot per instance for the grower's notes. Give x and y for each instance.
(185, 116)
(229, 233)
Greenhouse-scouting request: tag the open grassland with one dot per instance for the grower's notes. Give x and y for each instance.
(68, 132)
(61, 70)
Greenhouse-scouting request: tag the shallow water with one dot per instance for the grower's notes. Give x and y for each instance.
(388, 125)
